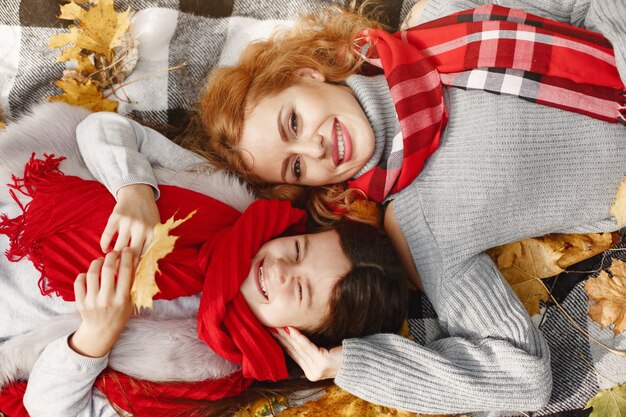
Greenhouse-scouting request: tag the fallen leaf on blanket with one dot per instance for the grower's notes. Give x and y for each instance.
(100, 44)
(337, 402)
(263, 407)
(607, 292)
(99, 28)
(609, 402)
(2, 125)
(83, 94)
(144, 286)
(525, 262)
(618, 209)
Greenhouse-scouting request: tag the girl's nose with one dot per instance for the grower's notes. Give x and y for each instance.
(282, 271)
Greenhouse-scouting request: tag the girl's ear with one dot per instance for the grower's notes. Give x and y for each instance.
(310, 73)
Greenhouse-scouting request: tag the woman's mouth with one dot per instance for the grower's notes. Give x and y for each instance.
(342, 151)
(261, 280)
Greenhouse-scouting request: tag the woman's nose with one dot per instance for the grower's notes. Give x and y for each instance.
(313, 147)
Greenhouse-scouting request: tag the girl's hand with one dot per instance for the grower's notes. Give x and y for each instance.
(104, 303)
(317, 363)
(133, 219)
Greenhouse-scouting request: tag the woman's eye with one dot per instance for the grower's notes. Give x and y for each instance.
(297, 250)
(293, 122)
(300, 291)
(297, 168)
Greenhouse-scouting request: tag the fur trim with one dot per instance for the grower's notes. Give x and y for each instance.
(144, 343)
(172, 344)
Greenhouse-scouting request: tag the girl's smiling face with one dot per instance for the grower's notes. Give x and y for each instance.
(312, 133)
(291, 279)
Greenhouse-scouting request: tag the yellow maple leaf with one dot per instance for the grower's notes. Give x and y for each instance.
(337, 402)
(525, 262)
(608, 295)
(99, 29)
(84, 94)
(618, 209)
(144, 286)
(609, 402)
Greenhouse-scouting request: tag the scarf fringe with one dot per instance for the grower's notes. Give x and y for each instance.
(38, 173)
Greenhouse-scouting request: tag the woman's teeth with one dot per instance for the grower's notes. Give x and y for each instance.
(262, 282)
(340, 145)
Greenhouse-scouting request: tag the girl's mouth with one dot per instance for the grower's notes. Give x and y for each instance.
(261, 280)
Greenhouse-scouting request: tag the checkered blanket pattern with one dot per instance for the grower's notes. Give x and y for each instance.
(203, 34)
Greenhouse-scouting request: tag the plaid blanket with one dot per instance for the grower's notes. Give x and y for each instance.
(203, 34)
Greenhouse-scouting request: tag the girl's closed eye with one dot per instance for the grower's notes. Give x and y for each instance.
(297, 250)
(299, 291)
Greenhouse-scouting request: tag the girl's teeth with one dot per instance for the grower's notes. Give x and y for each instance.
(340, 144)
(262, 281)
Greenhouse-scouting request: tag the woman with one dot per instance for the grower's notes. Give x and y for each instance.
(503, 170)
(328, 285)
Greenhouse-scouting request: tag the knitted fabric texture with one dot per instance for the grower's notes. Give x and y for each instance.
(497, 49)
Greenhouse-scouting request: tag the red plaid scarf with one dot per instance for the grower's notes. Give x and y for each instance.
(493, 48)
(59, 231)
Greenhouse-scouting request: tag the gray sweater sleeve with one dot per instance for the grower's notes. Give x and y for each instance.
(119, 151)
(494, 358)
(76, 396)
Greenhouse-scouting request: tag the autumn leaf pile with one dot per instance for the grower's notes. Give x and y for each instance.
(103, 51)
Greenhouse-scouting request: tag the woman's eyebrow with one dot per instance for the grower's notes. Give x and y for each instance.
(283, 137)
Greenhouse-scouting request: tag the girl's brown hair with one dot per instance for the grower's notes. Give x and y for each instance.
(323, 42)
(371, 298)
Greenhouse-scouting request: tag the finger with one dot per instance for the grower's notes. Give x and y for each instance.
(137, 243)
(107, 236)
(149, 236)
(93, 277)
(123, 238)
(125, 274)
(107, 279)
(80, 288)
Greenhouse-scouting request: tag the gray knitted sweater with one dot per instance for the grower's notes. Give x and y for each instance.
(506, 170)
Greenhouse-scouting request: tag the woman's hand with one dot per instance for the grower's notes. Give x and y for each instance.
(413, 17)
(104, 303)
(317, 363)
(133, 219)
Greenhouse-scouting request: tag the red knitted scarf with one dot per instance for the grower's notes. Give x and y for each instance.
(493, 48)
(59, 231)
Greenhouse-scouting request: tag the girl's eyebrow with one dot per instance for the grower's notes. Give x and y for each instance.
(308, 282)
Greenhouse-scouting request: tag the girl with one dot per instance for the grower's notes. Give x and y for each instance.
(298, 112)
(337, 283)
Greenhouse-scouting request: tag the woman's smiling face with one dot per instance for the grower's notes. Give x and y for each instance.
(291, 279)
(312, 133)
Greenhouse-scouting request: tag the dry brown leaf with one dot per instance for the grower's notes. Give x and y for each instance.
(99, 29)
(102, 47)
(2, 125)
(523, 263)
(581, 247)
(144, 286)
(83, 94)
(337, 402)
(618, 209)
(608, 295)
